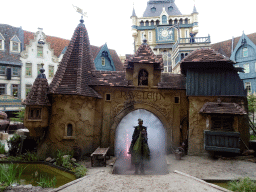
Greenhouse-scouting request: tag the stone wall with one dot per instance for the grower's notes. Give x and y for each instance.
(198, 123)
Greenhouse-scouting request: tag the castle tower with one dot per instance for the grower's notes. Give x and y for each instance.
(165, 27)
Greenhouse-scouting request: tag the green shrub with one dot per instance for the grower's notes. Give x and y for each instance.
(19, 116)
(14, 144)
(2, 148)
(243, 185)
(253, 137)
(79, 171)
(46, 182)
(64, 162)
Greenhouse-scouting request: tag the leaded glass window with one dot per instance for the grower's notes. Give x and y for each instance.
(51, 71)
(2, 70)
(15, 46)
(34, 113)
(28, 69)
(39, 51)
(103, 61)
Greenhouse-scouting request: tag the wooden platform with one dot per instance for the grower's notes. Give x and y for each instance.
(99, 153)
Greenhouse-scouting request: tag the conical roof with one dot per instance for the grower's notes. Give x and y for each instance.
(38, 93)
(75, 70)
(145, 55)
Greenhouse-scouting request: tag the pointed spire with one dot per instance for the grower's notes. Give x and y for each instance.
(74, 73)
(133, 12)
(194, 10)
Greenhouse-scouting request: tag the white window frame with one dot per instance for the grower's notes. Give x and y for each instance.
(30, 69)
(103, 61)
(27, 87)
(4, 69)
(150, 36)
(245, 50)
(142, 35)
(18, 72)
(245, 66)
(11, 45)
(4, 88)
(2, 48)
(37, 49)
(248, 85)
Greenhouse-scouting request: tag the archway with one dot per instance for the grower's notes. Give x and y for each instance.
(156, 142)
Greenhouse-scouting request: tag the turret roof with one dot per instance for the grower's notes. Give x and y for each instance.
(38, 93)
(133, 13)
(75, 70)
(169, 5)
(194, 10)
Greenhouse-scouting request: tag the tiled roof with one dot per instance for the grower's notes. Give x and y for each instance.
(59, 44)
(8, 32)
(222, 108)
(74, 73)
(56, 43)
(204, 55)
(172, 81)
(38, 93)
(109, 78)
(225, 47)
(159, 8)
(145, 55)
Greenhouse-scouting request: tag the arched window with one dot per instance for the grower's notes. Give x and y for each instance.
(157, 22)
(152, 23)
(182, 56)
(170, 21)
(164, 19)
(186, 21)
(147, 23)
(181, 21)
(69, 130)
(142, 23)
(175, 21)
(143, 77)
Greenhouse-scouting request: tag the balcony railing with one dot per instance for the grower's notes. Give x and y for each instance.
(194, 40)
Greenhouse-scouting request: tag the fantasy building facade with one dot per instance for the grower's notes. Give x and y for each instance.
(242, 50)
(168, 32)
(82, 107)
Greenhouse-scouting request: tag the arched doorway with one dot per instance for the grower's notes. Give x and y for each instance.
(156, 142)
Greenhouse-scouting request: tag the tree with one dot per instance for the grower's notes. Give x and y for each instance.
(251, 104)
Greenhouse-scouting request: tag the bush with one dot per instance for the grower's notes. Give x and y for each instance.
(253, 137)
(2, 148)
(79, 171)
(46, 182)
(243, 185)
(30, 156)
(64, 162)
(14, 144)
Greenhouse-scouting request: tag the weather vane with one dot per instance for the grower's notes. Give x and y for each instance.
(79, 10)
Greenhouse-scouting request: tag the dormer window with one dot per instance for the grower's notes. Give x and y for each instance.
(170, 8)
(153, 9)
(245, 52)
(35, 114)
(15, 44)
(1, 42)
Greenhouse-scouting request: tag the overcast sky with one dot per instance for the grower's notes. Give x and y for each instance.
(109, 20)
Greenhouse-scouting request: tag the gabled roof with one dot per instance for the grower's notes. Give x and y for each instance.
(75, 70)
(159, 4)
(144, 54)
(16, 39)
(225, 47)
(1, 37)
(38, 93)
